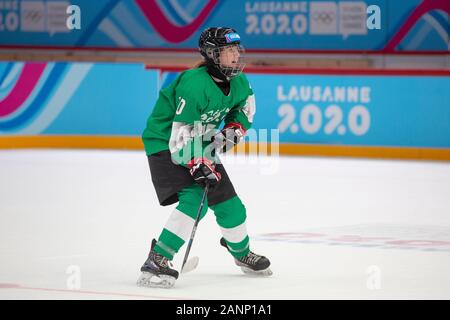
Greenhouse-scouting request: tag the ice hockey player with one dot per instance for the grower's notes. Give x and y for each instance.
(178, 137)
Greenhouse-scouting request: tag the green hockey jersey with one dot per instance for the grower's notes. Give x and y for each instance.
(190, 109)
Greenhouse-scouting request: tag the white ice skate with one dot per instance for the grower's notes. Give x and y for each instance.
(151, 280)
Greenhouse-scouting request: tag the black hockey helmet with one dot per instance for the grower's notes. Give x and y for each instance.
(212, 42)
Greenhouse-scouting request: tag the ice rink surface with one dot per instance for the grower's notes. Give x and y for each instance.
(78, 225)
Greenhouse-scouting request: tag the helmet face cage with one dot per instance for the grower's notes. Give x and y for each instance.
(228, 59)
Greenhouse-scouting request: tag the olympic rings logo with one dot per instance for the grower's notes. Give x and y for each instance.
(324, 17)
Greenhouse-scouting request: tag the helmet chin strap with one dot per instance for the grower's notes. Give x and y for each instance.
(214, 71)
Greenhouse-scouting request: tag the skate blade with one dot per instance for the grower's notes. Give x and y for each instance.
(261, 273)
(150, 280)
(190, 265)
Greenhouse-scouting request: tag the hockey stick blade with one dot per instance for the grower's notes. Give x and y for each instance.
(190, 265)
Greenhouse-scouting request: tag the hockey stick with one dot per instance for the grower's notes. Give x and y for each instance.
(190, 264)
(194, 261)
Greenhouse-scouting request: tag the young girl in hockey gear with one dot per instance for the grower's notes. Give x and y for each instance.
(177, 142)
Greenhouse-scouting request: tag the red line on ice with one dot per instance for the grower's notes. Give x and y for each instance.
(18, 286)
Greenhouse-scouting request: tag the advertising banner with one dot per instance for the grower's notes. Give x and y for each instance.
(288, 25)
(75, 98)
(365, 110)
(116, 99)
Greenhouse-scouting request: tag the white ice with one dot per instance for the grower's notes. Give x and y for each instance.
(78, 225)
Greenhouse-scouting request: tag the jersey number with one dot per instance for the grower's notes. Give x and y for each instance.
(180, 106)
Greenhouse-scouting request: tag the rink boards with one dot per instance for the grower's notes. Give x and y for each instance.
(394, 114)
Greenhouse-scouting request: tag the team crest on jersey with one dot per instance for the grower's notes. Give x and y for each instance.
(217, 115)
